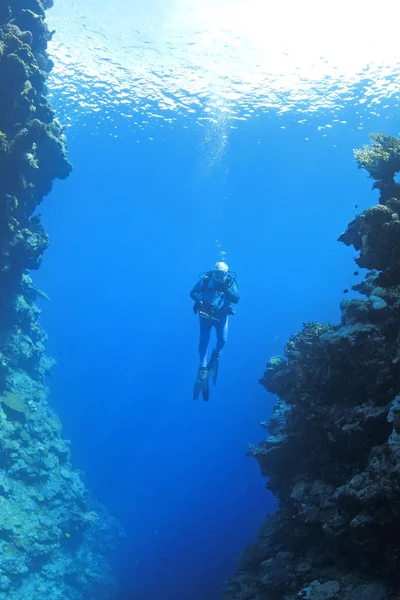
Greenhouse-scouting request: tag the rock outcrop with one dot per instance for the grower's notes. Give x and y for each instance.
(333, 451)
(53, 540)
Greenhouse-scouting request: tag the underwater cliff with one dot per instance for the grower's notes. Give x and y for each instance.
(53, 539)
(332, 455)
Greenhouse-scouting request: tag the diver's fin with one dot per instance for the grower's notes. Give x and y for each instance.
(205, 389)
(213, 366)
(197, 388)
(201, 384)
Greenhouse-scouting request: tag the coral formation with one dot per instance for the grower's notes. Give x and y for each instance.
(53, 540)
(381, 159)
(333, 450)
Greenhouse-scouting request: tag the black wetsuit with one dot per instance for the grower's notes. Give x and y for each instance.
(213, 301)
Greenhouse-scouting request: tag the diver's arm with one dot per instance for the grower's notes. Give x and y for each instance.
(196, 292)
(232, 293)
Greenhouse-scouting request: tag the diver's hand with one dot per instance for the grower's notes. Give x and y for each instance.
(197, 306)
(223, 285)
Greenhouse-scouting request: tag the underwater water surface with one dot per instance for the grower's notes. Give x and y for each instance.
(196, 128)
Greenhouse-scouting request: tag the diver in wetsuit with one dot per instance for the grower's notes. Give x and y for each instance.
(213, 297)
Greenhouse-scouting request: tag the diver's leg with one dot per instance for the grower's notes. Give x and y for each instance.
(221, 328)
(205, 332)
(222, 334)
(201, 383)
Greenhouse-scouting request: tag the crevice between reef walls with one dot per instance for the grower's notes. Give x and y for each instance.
(54, 541)
(333, 451)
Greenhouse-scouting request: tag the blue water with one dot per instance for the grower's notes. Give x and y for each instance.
(150, 205)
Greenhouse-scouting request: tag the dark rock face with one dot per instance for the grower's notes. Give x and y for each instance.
(333, 451)
(53, 540)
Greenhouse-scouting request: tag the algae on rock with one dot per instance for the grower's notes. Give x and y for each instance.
(54, 541)
(333, 451)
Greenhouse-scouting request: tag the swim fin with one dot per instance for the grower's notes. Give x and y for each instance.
(213, 366)
(201, 384)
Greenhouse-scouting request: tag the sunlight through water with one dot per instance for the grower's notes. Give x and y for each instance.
(224, 60)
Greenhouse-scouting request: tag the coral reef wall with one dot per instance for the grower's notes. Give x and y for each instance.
(53, 541)
(333, 451)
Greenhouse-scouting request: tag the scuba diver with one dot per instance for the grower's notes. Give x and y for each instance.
(213, 297)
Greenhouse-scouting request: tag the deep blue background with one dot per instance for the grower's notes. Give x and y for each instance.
(131, 229)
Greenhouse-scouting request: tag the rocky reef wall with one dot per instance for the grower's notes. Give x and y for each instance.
(333, 450)
(53, 540)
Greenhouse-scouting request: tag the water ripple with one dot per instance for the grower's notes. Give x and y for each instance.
(223, 60)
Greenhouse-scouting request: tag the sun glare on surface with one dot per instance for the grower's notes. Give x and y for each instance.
(266, 54)
(277, 37)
